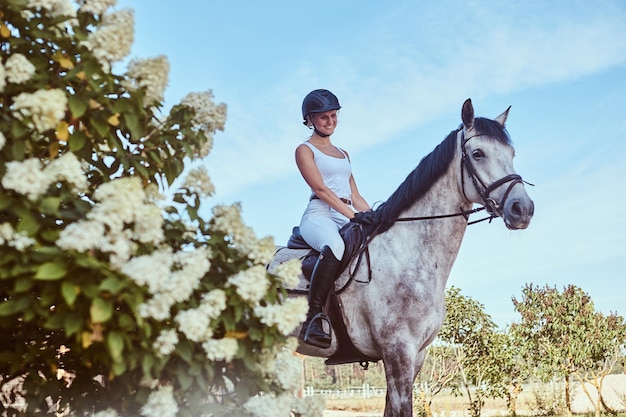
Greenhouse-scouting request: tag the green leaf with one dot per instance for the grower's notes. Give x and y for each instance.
(100, 310)
(73, 323)
(183, 349)
(54, 322)
(51, 271)
(113, 284)
(50, 235)
(28, 223)
(77, 141)
(18, 147)
(101, 126)
(184, 379)
(147, 361)
(10, 307)
(78, 105)
(126, 322)
(115, 344)
(5, 201)
(23, 284)
(70, 292)
(119, 368)
(130, 119)
(50, 205)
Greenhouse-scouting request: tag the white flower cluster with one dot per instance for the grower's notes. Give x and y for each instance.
(285, 317)
(287, 370)
(194, 324)
(96, 7)
(69, 169)
(289, 272)
(228, 219)
(42, 109)
(161, 403)
(223, 349)
(283, 405)
(56, 8)
(166, 342)
(250, 284)
(312, 406)
(14, 239)
(28, 178)
(121, 216)
(198, 180)
(150, 74)
(208, 118)
(3, 140)
(262, 251)
(269, 405)
(113, 39)
(18, 69)
(170, 278)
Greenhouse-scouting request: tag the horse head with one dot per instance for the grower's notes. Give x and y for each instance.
(487, 173)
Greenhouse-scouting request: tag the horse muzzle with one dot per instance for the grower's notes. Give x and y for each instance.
(517, 212)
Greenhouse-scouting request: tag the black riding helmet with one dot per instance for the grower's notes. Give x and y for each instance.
(319, 101)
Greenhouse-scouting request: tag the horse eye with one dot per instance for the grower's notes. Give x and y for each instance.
(477, 153)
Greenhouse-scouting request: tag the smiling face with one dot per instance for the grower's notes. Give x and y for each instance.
(324, 122)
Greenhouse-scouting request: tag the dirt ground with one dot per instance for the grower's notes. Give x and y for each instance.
(613, 391)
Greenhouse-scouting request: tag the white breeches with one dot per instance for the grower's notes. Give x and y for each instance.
(320, 226)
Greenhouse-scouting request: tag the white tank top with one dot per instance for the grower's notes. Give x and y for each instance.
(336, 172)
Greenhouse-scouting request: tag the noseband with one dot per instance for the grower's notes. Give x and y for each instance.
(493, 207)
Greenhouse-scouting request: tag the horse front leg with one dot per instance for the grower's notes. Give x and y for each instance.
(401, 369)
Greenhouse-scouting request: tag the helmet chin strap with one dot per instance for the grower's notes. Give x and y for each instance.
(324, 135)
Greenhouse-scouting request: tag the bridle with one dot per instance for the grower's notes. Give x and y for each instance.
(493, 207)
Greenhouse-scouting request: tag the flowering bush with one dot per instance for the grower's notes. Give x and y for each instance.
(112, 300)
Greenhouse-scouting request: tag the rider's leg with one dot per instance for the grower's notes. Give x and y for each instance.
(322, 278)
(319, 227)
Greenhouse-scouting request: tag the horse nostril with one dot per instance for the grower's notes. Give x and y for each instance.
(516, 209)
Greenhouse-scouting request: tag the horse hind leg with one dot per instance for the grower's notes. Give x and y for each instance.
(401, 369)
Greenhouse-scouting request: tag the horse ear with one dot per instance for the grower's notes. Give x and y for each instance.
(502, 118)
(467, 114)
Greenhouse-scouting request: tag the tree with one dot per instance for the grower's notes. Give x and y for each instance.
(440, 370)
(513, 369)
(113, 300)
(478, 347)
(563, 334)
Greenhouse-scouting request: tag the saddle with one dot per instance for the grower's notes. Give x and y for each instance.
(354, 238)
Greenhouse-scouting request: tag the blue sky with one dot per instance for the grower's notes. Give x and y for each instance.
(401, 71)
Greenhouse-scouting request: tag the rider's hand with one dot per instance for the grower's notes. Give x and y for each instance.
(366, 218)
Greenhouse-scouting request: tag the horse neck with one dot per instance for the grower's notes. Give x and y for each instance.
(432, 243)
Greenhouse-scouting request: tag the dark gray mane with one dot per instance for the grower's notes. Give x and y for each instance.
(432, 167)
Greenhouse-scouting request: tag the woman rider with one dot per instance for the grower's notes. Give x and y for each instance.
(334, 200)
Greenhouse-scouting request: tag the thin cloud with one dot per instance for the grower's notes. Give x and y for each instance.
(388, 88)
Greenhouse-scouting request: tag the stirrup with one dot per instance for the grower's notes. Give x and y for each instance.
(318, 342)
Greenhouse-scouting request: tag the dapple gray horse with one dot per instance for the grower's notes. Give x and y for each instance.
(395, 305)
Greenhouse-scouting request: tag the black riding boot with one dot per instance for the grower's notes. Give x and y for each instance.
(322, 278)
